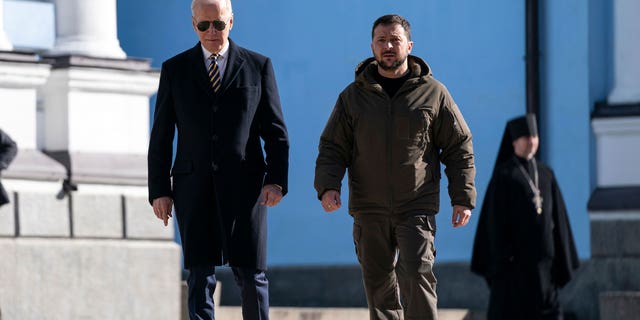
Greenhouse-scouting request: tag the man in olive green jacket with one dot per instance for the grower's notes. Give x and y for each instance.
(391, 128)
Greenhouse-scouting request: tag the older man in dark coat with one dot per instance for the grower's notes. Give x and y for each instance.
(223, 100)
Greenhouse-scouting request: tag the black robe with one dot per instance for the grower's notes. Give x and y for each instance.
(8, 151)
(524, 256)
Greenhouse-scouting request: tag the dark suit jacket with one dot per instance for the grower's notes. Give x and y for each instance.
(219, 168)
(8, 151)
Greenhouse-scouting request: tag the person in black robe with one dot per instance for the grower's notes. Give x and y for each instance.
(8, 151)
(523, 246)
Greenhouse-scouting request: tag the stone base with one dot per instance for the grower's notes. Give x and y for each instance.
(596, 276)
(34, 165)
(292, 313)
(104, 168)
(617, 136)
(615, 233)
(340, 286)
(303, 286)
(620, 305)
(66, 279)
(39, 209)
(7, 219)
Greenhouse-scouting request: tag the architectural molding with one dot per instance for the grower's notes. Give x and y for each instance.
(132, 78)
(103, 168)
(604, 110)
(617, 150)
(22, 71)
(612, 200)
(31, 164)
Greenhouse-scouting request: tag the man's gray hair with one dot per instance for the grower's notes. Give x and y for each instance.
(224, 4)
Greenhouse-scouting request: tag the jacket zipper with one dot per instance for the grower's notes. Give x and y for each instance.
(390, 128)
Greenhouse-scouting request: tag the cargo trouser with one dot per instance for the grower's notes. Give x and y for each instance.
(396, 258)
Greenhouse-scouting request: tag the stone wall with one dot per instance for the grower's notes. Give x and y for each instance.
(88, 255)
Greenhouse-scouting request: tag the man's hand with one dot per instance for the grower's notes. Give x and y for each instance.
(461, 216)
(271, 195)
(331, 200)
(162, 208)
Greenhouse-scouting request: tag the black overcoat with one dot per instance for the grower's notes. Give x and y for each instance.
(8, 151)
(219, 166)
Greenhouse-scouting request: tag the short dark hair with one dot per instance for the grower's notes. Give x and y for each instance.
(393, 19)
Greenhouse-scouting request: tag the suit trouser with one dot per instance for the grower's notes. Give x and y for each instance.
(254, 290)
(396, 257)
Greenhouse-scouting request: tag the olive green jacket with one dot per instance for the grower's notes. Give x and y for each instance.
(393, 146)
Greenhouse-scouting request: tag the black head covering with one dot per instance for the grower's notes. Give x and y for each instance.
(515, 128)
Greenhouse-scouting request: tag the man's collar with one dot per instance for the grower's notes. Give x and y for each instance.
(223, 53)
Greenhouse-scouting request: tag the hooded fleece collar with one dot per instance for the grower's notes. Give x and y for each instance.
(418, 68)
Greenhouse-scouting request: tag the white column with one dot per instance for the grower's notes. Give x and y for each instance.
(87, 27)
(626, 48)
(5, 45)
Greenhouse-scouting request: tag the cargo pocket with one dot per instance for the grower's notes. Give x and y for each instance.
(432, 224)
(357, 232)
(415, 240)
(429, 227)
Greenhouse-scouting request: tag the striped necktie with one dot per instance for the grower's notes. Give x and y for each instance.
(214, 73)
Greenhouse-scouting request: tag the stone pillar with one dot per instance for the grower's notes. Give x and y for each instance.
(31, 172)
(5, 44)
(95, 106)
(87, 27)
(96, 124)
(33, 180)
(616, 127)
(626, 50)
(617, 146)
(614, 205)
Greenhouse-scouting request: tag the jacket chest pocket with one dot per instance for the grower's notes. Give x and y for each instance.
(414, 125)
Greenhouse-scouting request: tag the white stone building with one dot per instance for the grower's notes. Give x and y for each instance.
(77, 241)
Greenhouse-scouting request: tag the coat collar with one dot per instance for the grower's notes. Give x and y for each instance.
(234, 65)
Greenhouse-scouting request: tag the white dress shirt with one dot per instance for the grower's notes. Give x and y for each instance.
(222, 58)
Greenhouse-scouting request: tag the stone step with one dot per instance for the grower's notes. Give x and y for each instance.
(294, 313)
(620, 305)
(320, 313)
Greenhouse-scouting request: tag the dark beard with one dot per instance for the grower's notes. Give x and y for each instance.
(392, 67)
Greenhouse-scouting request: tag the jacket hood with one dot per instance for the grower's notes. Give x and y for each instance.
(418, 67)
